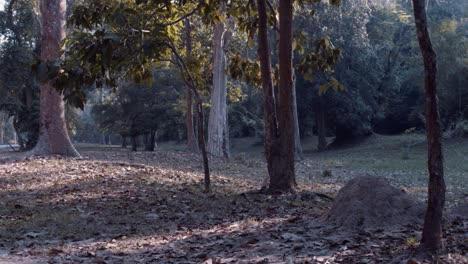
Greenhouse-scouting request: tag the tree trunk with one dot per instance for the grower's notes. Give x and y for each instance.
(321, 129)
(432, 230)
(124, 142)
(2, 127)
(134, 143)
(285, 180)
(13, 129)
(217, 123)
(150, 140)
(201, 135)
(297, 134)
(191, 139)
(272, 153)
(53, 134)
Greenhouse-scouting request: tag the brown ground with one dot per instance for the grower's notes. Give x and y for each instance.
(114, 206)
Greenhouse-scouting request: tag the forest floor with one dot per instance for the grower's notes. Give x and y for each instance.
(117, 206)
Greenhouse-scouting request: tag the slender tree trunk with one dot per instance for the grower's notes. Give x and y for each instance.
(201, 136)
(13, 129)
(124, 142)
(191, 138)
(217, 123)
(155, 140)
(321, 129)
(432, 229)
(53, 134)
(297, 134)
(272, 153)
(285, 180)
(2, 127)
(145, 141)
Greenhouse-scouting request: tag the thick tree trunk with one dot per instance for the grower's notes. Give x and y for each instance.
(191, 138)
(217, 123)
(432, 229)
(285, 180)
(321, 129)
(53, 134)
(150, 140)
(272, 153)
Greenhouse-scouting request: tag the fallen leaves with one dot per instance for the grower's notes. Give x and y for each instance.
(105, 209)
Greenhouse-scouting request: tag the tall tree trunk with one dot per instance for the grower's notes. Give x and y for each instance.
(217, 122)
(272, 153)
(432, 230)
(2, 127)
(134, 143)
(124, 142)
(11, 123)
(321, 129)
(297, 134)
(191, 138)
(201, 136)
(150, 140)
(285, 180)
(53, 134)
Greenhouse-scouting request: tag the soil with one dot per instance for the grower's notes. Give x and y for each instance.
(115, 206)
(370, 202)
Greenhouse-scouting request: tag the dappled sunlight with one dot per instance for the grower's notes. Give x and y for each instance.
(119, 209)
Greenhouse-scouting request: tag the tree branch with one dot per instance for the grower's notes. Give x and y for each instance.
(180, 18)
(272, 9)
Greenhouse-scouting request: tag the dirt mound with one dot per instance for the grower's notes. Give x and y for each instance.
(371, 202)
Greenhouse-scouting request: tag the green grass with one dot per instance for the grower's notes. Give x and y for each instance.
(401, 158)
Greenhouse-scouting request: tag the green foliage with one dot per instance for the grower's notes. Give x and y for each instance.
(245, 69)
(136, 110)
(19, 92)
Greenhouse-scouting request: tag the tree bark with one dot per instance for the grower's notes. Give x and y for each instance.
(13, 129)
(150, 140)
(321, 129)
(432, 230)
(191, 138)
(272, 153)
(3, 123)
(201, 135)
(53, 134)
(297, 134)
(217, 123)
(285, 180)
(124, 142)
(134, 143)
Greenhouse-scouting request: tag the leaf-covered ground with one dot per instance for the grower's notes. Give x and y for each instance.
(114, 206)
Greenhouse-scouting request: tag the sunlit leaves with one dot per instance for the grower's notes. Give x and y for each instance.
(245, 69)
(324, 59)
(333, 84)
